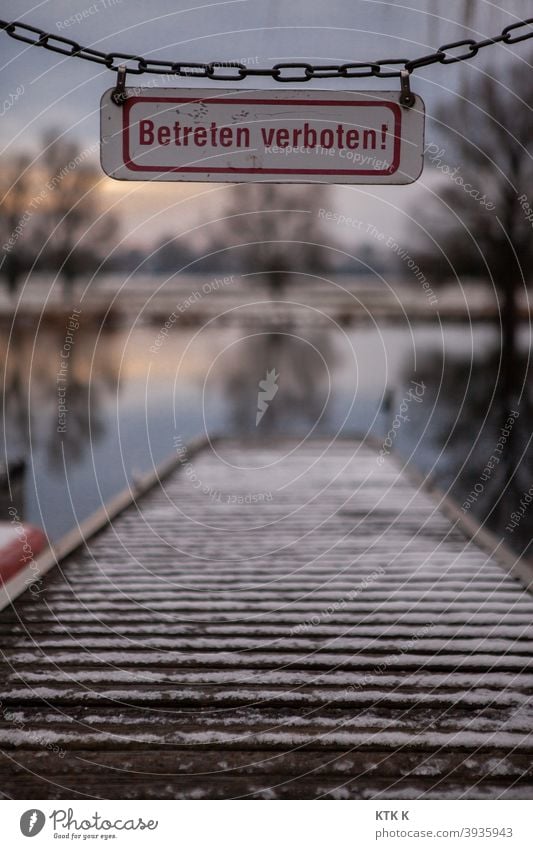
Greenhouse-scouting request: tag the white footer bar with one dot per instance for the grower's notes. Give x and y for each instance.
(264, 825)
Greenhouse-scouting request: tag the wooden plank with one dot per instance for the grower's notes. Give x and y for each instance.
(342, 640)
(74, 539)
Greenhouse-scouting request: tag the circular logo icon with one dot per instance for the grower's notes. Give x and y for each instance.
(32, 822)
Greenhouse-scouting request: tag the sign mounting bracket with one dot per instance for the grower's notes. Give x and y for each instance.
(118, 95)
(407, 97)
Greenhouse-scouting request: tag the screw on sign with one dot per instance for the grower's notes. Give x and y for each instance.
(237, 135)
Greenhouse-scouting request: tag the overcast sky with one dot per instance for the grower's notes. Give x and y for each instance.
(65, 92)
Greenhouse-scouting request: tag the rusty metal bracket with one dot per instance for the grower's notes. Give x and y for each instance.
(407, 97)
(118, 95)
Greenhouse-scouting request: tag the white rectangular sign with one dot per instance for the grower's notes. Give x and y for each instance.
(262, 136)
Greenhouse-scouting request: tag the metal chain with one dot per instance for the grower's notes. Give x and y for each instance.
(282, 73)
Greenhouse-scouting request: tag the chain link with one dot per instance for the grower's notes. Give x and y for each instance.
(283, 72)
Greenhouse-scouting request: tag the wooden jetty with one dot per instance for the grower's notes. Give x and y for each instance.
(272, 621)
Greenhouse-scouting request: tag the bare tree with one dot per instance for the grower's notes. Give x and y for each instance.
(74, 233)
(274, 231)
(472, 12)
(481, 227)
(16, 213)
(466, 422)
(50, 213)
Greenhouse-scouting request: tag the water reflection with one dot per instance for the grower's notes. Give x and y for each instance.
(276, 381)
(42, 377)
(279, 383)
(125, 404)
(477, 426)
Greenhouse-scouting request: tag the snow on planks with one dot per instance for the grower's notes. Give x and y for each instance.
(336, 638)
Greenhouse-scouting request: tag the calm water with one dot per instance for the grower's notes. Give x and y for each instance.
(127, 406)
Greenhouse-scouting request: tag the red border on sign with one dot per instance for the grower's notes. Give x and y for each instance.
(195, 169)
